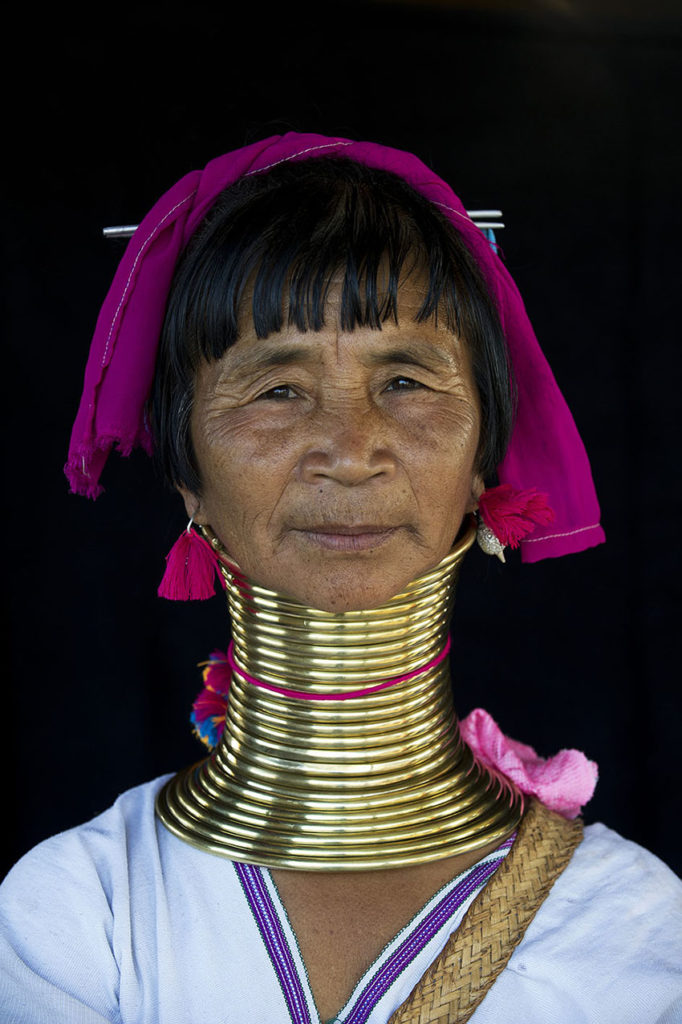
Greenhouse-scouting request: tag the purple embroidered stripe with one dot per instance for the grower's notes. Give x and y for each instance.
(275, 941)
(266, 916)
(415, 942)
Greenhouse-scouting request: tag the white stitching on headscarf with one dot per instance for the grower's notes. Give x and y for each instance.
(132, 269)
(553, 536)
(259, 170)
(292, 156)
(452, 210)
(310, 149)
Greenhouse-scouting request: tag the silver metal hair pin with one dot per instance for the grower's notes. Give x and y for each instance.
(122, 231)
(487, 220)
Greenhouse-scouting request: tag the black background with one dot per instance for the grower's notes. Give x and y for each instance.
(566, 118)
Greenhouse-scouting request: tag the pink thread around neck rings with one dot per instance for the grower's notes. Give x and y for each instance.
(365, 691)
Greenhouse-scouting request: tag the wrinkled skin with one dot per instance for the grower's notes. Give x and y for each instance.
(337, 466)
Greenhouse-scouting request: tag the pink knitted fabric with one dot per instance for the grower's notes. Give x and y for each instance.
(545, 452)
(563, 783)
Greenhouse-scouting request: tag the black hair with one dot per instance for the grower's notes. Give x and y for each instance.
(281, 237)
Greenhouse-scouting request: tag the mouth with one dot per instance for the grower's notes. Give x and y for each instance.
(343, 537)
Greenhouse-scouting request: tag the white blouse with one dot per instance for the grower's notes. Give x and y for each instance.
(120, 921)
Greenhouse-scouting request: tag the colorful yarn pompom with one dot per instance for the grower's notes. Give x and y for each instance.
(210, 707)
(512, 514)
(191, 568)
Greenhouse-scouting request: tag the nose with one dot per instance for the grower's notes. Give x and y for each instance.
(351, 446)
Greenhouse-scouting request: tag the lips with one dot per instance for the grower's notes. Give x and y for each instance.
(348, 529)
(347, 537)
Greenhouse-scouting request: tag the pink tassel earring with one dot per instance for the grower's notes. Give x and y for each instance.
(505, 516)
(191, 568)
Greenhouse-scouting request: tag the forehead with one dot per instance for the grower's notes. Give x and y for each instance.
(389, 310)
(406, 340)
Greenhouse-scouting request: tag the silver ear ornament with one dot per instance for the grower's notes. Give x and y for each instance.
(488, 541)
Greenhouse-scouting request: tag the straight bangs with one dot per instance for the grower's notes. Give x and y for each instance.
(274, 256)
(274, 248)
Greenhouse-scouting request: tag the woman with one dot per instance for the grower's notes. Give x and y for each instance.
(331, 393)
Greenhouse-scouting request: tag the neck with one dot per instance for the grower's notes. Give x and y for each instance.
(348, 756)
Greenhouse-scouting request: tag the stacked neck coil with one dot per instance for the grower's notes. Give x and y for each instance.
(376, 781)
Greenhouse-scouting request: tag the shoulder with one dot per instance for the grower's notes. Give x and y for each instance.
(608, 938)
(98, 849)
(617, 900)
(605, 945)
(65, 914)
(610, 874)
(120, 921)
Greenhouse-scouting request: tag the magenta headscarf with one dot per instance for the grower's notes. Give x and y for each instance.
(545, 451)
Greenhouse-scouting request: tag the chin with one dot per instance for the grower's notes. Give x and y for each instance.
(347, 591)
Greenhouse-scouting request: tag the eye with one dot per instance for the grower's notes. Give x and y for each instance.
(280, 393)
(403, 384)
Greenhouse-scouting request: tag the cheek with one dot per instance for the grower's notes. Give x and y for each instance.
(241, 439)
(448, 439)
(243, 475)
(232, 484)
(443, 466)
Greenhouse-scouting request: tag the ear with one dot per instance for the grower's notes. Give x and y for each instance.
(477, 489)
(192, 506)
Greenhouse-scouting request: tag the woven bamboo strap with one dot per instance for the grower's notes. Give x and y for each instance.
(457, 982)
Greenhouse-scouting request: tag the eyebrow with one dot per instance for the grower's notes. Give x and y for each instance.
(420, 354)
(256, 360)
(423, 354)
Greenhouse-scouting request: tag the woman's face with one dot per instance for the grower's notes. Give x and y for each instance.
(338, 466)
